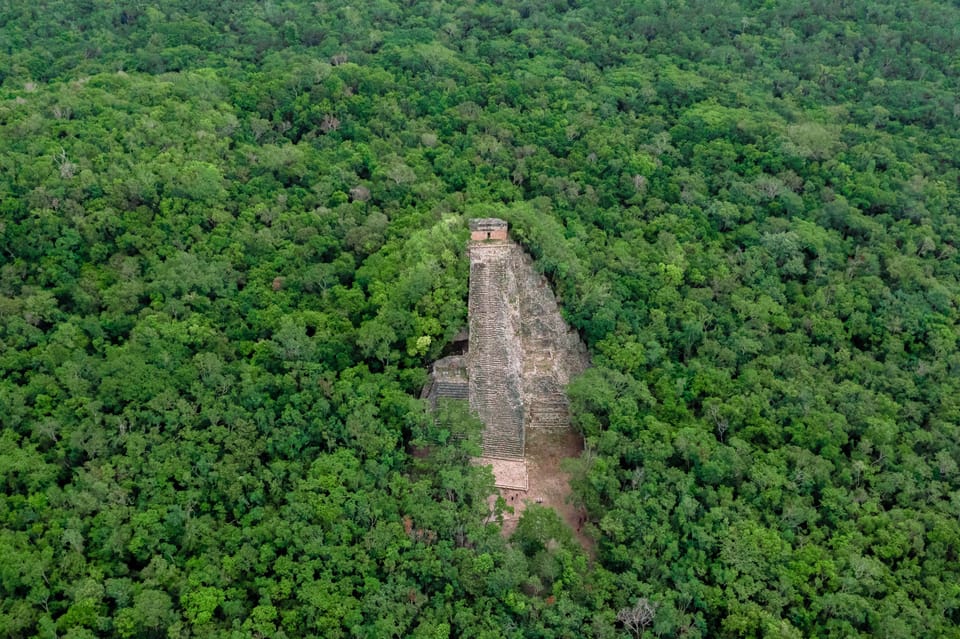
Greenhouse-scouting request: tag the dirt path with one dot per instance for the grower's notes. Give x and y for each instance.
(548, 484)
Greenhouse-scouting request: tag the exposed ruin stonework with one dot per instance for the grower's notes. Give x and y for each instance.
(495, 358)
(448, 380)
(488, 228)
(521, 353)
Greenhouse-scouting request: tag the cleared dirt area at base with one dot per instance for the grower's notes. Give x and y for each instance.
(547, 484)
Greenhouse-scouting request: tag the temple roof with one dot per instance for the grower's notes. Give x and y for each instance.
(487, 224)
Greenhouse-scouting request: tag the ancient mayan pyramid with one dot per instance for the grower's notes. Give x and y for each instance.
(521, 353)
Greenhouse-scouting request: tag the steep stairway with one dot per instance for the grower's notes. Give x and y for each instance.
(494, 389)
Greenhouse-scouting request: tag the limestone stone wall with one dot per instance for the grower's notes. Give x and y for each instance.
(552, 352)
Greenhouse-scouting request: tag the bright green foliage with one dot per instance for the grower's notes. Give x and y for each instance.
(232, 238)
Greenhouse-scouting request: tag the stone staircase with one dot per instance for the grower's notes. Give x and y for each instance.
(452, 390)
(494, 395)
(549, 411)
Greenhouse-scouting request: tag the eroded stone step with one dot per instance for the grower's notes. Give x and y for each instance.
(452, 390)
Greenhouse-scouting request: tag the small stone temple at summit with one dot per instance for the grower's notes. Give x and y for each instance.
(487, 229)
(521, 354)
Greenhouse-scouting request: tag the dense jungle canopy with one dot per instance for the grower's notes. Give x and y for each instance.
(232, 239)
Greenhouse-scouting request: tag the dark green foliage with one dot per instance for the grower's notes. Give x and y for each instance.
(232, 237)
